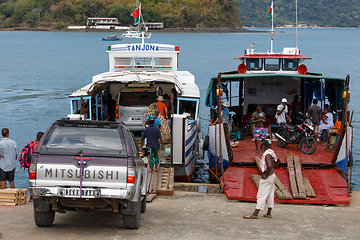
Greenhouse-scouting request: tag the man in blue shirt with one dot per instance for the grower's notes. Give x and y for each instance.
(157, 121)
(153, 136)
(8, 156)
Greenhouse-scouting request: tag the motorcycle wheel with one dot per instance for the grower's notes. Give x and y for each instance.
(280, 142)
(310, 147)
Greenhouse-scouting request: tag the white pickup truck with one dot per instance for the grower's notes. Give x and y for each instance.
(88, 165)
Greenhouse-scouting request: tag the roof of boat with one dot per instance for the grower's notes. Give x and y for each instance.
(270, 55)
(249, 75)
(184, 81)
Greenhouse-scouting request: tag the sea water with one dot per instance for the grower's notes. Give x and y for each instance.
(39, 70)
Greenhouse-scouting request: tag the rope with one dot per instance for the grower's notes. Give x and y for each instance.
(220, 183)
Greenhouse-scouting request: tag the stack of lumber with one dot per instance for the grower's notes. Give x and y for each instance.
(12, 197)
(280, 191)
(300, 187)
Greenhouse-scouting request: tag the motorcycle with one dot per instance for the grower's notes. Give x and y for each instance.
(300, 134)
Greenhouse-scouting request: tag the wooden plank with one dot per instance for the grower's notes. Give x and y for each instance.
(286, 194)
(291, 171)
(308, 188)
(148, 182)
(153, 182)
(256, 180)
(7, 204)
(150, 197)
(299, 178)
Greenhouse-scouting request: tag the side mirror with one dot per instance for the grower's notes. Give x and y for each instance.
(146, 152)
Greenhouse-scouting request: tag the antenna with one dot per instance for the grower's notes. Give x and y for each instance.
(296, 27)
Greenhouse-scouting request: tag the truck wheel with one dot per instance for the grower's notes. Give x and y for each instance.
(133, 221)
(143, 204)
(44, 219)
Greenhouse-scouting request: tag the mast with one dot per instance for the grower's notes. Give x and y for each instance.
(296, 28)
(272, 27)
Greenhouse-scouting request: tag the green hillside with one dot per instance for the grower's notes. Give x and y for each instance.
(61, 13)
(324, 13)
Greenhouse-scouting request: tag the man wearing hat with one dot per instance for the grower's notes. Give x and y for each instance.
(268, 162)
(153, 136)
(282, 112)
(162, 107)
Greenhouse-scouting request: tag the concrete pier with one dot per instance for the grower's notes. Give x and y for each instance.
(187, 215)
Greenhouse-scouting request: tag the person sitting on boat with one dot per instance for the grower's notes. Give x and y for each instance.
(282, 112)
(335, 130)
(268, 162)
(258, 118)
(162, 107)
(326, 121)
(153, 137)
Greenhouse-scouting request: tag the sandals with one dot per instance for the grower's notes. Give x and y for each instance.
(250, 217)
(268, 216)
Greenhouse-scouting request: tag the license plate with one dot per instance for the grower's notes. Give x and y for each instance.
(136, 118)
(75, 192)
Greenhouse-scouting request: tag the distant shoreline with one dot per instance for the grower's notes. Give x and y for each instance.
(165, 30)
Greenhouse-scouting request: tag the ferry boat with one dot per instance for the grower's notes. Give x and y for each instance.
(136, 34)
(138, 74)
(266, 78)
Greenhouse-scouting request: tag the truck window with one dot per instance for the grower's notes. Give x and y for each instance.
(137, 98)
(93, 141)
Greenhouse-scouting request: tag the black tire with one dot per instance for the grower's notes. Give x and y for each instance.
(133, 221)
(143, 204)
(310, 147)
(280, 142)
(206, 143)
(44, 219)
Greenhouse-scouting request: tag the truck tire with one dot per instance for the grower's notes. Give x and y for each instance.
(143, 204)
(133, 221)
(44, 219)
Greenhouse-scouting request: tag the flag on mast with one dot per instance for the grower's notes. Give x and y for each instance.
(271, 11)
(136, 15)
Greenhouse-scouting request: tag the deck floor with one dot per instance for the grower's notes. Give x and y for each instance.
(329, 186)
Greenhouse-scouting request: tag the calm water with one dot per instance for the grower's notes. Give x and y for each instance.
(38, 70)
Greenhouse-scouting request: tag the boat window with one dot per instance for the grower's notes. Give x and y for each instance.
(137, 98)
(76, 107)
(272, 64)
(254, 63)
(142, 62)
(189, 107)
(122, 62)
(163, 62)
(290, 64)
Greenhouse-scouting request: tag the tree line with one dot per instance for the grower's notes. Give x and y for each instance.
(173, 13)
(323, 13)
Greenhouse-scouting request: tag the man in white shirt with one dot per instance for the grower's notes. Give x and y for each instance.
(282, 112)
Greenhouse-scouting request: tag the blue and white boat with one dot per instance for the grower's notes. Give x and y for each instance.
(138, 74)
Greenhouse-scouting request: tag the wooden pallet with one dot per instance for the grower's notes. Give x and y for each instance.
(160, 183)
(13, 197)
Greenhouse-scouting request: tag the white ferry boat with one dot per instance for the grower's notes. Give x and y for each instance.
(136, 34)
(138, 74)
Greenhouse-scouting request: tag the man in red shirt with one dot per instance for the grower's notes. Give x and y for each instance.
(162, 107)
